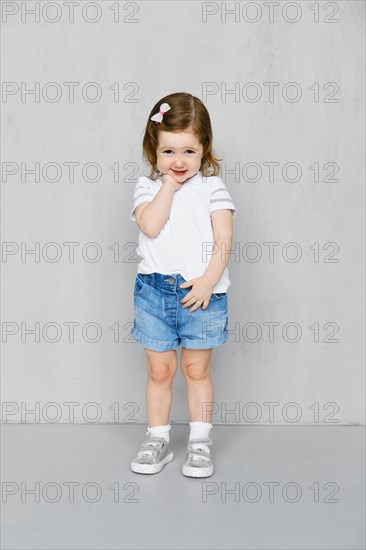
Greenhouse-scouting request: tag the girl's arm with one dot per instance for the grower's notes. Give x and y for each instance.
(222, 225)
(153, 216)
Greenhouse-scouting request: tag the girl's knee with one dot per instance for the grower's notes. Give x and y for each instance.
(195, 364)
(161, 373)
(161, 366)
(196, 371)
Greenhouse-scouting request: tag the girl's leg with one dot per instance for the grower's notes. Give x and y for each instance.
(195, 365)
(161, 367)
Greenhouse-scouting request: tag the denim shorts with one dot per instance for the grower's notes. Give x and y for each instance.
(161, 323)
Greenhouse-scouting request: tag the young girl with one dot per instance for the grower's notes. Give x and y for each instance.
(185, 216)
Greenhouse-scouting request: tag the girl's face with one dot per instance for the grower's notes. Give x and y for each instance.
(179, 154)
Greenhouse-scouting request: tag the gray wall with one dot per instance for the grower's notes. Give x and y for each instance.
(312, 207)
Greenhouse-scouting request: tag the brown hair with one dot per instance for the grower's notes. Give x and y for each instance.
(187, 112)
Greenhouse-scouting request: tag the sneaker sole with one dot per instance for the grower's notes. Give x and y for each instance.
(197, 472)
(151, 468)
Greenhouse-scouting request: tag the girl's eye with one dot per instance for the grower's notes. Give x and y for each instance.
(170, 151)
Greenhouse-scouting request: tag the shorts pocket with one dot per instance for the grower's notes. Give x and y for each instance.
(218, 296)
(140, 285)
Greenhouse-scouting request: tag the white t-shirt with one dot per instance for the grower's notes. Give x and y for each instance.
(185, 244)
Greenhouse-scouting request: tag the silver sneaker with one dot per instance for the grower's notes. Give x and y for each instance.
(154, 453)
(198, 461)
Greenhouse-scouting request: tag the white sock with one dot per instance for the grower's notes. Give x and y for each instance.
(197, 430)
(161, 431)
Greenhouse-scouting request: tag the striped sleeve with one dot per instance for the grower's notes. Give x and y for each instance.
(143, 193)
(220, 197)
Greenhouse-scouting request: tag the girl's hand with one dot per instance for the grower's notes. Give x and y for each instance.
(199, 294)
(168, 179)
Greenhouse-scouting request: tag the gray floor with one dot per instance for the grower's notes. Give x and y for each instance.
(323, 506)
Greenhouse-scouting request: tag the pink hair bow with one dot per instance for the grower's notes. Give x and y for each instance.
(164, 107)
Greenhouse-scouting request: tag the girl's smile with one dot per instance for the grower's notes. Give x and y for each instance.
(179, 172)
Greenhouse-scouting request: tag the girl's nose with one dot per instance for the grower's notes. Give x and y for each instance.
(178, 162)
